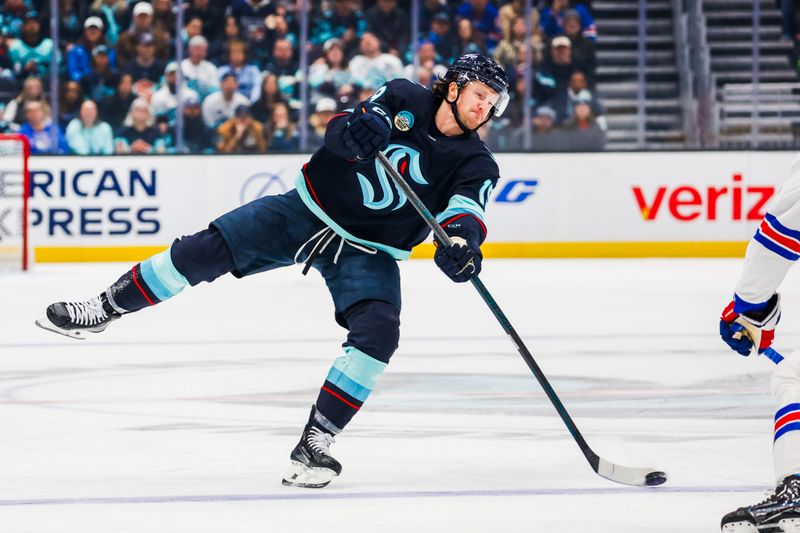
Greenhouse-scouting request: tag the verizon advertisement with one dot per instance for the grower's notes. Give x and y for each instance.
(118, 202)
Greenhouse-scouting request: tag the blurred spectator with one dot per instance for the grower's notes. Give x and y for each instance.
(281, 134)
(8, 78)
(514, 9)
(284, 66)
(558, 65)
(789, 13)
(342, 21)
(544, 137)
(248, 76)
(219, 49)
(142, 24)
(32, 91)
(114, 108)
(428, 61)
(443, 38)
(429, 10)
(371, 68)
(467, 41)
(390, 25)
(101, 80)
(220, 106)
(71, 14)
(197, 137)
(193, 27)
(70, 100)
(323, 113)
(552, 19)
(269, 95)
(40, 130)
(577, 91)
(139, 135)
(145, 64)
(510, 52)
(164, 19)
(200, 74)
(250, 15)
(31, 53)
(79, 56)
(86, 135)
(328, 73)
(111, 11)
(210, 14)
(241, 134)
(583, 50)
(583, 132)
(165, 99)
(12, 14)
(278, 28)
(483, 17)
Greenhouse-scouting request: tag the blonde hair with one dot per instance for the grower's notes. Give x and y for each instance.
(118, 6)
(139, 102)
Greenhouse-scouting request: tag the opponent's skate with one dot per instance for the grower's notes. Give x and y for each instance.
(312, 465)
(75, 319)
(779, 513)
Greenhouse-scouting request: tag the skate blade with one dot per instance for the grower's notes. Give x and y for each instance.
(300, 475)
(739, 527)
(45, 323)
(788, 525)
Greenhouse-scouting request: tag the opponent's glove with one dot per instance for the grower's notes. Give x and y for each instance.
(752, 328)
(461, 261)
(367, 131)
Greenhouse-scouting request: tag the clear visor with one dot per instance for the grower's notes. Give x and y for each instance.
(501, 104)
(498, 102)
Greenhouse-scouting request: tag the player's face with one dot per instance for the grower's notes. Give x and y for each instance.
(475, 103)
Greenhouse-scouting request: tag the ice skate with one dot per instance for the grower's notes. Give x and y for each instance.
(76, 319)
(779, 513)
(312, 465)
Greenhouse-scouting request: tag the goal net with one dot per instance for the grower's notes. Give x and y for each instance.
(14, 192)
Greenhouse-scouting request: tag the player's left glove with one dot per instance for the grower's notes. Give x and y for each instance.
(755, 327)
(368, 130)
(461, 261)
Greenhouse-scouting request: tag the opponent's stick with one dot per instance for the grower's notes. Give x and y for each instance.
(614, 472)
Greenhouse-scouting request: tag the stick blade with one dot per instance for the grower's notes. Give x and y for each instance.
(627, 475)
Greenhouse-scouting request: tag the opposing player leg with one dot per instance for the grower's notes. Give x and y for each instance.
(367, 288)
(780, 511)
(203, 256)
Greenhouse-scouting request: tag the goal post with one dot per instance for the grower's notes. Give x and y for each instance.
(14, 194)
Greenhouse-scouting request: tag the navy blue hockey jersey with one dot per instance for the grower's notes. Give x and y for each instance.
(453, 176)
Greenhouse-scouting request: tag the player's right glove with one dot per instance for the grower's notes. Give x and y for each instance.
(754, 327)
(461, 261)
(367, 131)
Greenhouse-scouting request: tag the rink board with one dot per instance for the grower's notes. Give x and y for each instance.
(675, 204)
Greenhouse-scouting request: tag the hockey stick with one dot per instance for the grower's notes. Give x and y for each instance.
(751, 332)
(614, 472)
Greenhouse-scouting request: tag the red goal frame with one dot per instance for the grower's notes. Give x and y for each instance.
(26, 188)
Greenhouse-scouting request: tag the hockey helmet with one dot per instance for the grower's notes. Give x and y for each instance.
(478, 67)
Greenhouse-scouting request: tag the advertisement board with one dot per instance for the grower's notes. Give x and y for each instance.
(698, 204)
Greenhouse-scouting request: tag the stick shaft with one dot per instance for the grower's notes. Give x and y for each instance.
(497, 312)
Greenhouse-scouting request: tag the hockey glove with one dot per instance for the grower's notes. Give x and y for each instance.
(461, 261)
(367, 131)
(755, 327)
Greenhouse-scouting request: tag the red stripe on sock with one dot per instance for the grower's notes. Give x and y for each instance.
(785, 419)
(351, 404)
(133, 272)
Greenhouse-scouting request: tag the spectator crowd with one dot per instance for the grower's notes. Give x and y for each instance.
(119, 92)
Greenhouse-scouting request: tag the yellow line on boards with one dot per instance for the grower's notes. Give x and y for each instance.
(505, 250)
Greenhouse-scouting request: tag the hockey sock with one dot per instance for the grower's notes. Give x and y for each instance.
(350, 381)
(147, 283)
(786, 390)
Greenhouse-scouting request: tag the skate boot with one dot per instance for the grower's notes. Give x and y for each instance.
(75, 319)
(312, 465)
(779, 513)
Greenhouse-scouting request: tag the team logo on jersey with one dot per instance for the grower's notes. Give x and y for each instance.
(404, 121)
(406, 161)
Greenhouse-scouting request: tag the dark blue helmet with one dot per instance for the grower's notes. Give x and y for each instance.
(478, 67)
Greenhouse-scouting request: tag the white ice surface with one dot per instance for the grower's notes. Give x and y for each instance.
(180, 418)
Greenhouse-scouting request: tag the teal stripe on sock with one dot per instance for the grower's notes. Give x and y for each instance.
(162, 277)
(348, 385)
(359, 367)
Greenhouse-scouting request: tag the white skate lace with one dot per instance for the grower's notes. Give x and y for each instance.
(320, 441)
(86, 313)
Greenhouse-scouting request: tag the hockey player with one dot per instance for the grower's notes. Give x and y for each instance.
(750, 320)
(347, 220)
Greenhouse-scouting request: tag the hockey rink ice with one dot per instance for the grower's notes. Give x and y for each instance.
(181, 418)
